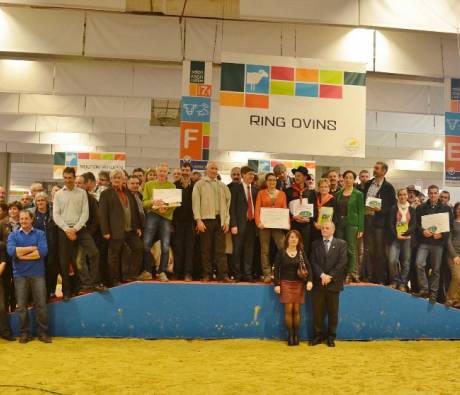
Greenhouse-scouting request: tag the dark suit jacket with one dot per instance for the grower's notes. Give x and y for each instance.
(239, 205)
(112, 215)
(333, 263)
(92, 225)
(388, 195)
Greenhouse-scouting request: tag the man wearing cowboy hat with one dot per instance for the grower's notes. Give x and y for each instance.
(299, 190)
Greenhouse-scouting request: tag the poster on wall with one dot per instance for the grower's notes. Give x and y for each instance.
(267, 165)
(87, 161)
(195, 127)
(292, 105)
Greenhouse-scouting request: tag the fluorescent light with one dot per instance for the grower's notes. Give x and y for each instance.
(437, 143)
(73, 148)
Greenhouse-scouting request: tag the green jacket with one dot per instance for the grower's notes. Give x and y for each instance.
(355, 215)
(148, 197)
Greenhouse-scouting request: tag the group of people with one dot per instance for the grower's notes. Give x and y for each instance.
(99, 233)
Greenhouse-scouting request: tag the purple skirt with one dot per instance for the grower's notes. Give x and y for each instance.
(292, 292)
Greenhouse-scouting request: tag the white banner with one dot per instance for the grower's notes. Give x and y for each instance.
(292, 106)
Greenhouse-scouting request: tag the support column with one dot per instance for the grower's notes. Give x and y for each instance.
(5, 166)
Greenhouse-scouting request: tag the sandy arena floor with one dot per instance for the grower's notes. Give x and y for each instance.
(110, 366)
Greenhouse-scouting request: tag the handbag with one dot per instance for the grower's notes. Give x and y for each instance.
(302, 271)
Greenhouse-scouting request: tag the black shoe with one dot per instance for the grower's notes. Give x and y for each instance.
(24, 339)
(290, 337)
(100, 288)
(66, 298)
(45, 339)
(433, 299)
(296, 336)
(421, 294)
(9, 338)
(330, 342)
(315, 341)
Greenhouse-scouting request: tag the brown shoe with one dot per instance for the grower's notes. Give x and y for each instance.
(206, 279)
(267, 280)
(228, 280)
(188, 278)
(45, 339)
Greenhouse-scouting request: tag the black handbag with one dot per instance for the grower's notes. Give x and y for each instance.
(302, 271)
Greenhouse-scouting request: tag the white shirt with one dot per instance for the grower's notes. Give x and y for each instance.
(70, 208)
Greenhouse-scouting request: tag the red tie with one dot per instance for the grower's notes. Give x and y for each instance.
(250, 207)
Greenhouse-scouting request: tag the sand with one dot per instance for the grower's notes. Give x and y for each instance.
(112, 366)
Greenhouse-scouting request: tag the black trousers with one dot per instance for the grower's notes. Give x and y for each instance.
(8, 286)
(5, 329)
(243, 251)
(375, 253)
(184, 241)
(213, 245)
(325, 302)
(131, 265)
(51, 268)
(305, 230)
(67, 250)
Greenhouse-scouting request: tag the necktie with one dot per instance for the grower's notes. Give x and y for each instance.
(250, 206)
(326, 245)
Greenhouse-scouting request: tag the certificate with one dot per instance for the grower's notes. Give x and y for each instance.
(172, 197)
(402, 228)
(373, 202)
(325, 215)
(275, 218)
(303, 209)
(436, 223)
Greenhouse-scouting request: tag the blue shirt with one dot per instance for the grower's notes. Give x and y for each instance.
(19, 238)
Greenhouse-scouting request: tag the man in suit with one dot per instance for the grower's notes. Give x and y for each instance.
(328, 261)
(120, 224)
(375, 225)
(242, 225)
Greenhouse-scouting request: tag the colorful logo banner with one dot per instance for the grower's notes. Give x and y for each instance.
(267, 165)
(195, 128)
(292, 105)
(87, 162)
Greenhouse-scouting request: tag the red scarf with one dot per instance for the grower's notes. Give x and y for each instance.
(299, 190)
(321, 204)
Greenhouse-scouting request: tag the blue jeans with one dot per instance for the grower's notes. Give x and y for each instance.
(399, 261)
(435, 253)
(37, 284)
(156, 223)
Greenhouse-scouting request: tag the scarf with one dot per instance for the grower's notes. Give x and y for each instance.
(403, 214)
(320, 204)
(297, 188)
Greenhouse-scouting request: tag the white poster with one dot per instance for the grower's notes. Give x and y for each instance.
(292, 105)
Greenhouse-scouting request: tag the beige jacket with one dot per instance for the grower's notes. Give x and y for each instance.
(203, 202)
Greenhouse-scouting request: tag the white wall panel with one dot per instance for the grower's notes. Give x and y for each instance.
(451, 58)
(52, 104)
(65, 138)
(109, 5)
(254, 37)
(137, 126)
(94, 78)
(203, 39)
(399, 122)
(415, 140)
(131, 152)
(408, 53)
(342, 12)
(9, 102)
(107, 139)
(335, 43)
(137, 107)
(101, 106)
(25, 148)
(26, 76)
(381, 139)
(20, 137)
(74, 124)
(133, 37)
(438, 16)
(108, 125)
(41, 31)
(24, 123)
(157, 81)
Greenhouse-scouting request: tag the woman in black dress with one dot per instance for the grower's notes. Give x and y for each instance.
(289, 285)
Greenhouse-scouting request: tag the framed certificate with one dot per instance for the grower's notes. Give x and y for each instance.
(172, 197)
(436, 223)
(275, 218)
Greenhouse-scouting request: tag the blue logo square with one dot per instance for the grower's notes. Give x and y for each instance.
(309, 90)
(257, 78)
(196, 109)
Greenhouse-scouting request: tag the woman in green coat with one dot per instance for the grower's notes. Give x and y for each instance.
(349, 219)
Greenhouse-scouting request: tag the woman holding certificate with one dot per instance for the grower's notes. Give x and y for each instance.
(302, 201)
(403, 224)
(325, 204)
(349, 219)
(292, 271)
(269, 198)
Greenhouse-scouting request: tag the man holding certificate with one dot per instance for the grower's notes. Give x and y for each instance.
(159, 214)
(434, 221)
(301, 201)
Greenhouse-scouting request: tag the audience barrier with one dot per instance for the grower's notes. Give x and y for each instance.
(217, 311)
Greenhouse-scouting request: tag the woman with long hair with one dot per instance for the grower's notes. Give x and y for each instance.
(291, 262)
